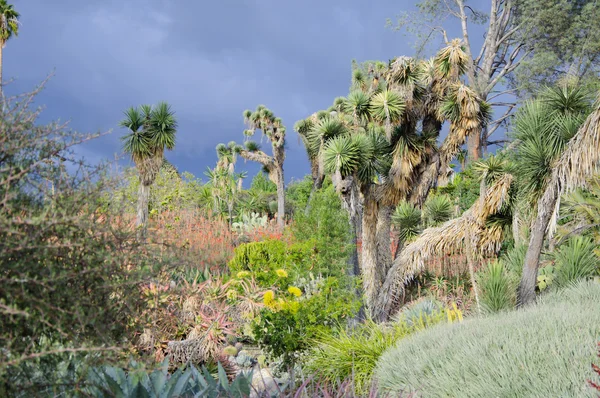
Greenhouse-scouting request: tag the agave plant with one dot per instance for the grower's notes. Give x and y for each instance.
(110, 381)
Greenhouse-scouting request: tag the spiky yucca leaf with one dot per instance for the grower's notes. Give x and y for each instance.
(375, 158)
(357, 105)
(451, 61)
(387, 107)
(341, 154)
(575, 260)
(252, 146)
(163, 126)
(497, 286)
(437, 209)
(407, 220)
(568, 97)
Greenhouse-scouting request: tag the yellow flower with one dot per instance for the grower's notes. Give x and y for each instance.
(243, 274)
(269, 298)
(295, 291)
(281, 273)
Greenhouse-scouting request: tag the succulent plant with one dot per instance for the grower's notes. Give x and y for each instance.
(138, 382)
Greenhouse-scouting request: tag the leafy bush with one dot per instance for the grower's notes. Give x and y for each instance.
(575, 260)
(288, 326)
(69, 271)
(272, 262)
(326, 225)
(544, 350)
(171, 191)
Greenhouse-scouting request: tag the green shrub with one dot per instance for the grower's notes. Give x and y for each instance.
(71, 273)
(575, 260)
(287, 327)
(263, 259)
(544, 350)
(326, 224)
(497, 287)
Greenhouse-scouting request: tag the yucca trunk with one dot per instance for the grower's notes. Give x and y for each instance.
(526, 294)
(384, 254)
(280, 198)
(575, 165)
(474, 145)
(1, 81)
(317, 178)
(369, 252)
(142, 210)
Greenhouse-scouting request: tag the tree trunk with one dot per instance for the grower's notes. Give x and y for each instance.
(1, 81)
(317, 184)
(474, 145)
(280, 198)
(526, 293)
(369, 251)
(483, 137)
(142, 211)
(384, 252)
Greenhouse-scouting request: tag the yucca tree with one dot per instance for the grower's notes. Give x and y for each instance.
(557, 153)
(9, 27)
(225, 187)
(227, 156)
(272, 127)
(582, 210)
(151, 131)
(377, 146)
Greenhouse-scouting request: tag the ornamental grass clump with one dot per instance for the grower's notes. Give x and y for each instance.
(543, 350)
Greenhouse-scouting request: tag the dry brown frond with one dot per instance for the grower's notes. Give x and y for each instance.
(449, 239)
(576, 164)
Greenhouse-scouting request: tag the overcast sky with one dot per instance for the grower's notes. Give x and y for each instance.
(210, 60)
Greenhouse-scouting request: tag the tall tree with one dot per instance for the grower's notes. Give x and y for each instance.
(226, 183)
(151, 131)
(371, 140)
(520, 36)
(272, 127)
(9, 26)
(558, 151)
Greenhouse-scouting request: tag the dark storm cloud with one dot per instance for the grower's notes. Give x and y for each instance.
(210, 60)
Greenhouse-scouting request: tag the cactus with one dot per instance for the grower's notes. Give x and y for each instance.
(250, 222)
(230, 351)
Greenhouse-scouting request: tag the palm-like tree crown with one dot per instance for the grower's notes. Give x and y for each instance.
(9, 22)
(151, 131)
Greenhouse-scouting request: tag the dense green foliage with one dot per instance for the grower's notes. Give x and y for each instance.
(326, 223)
(287, 327)
(544, 350)
(354, 353)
